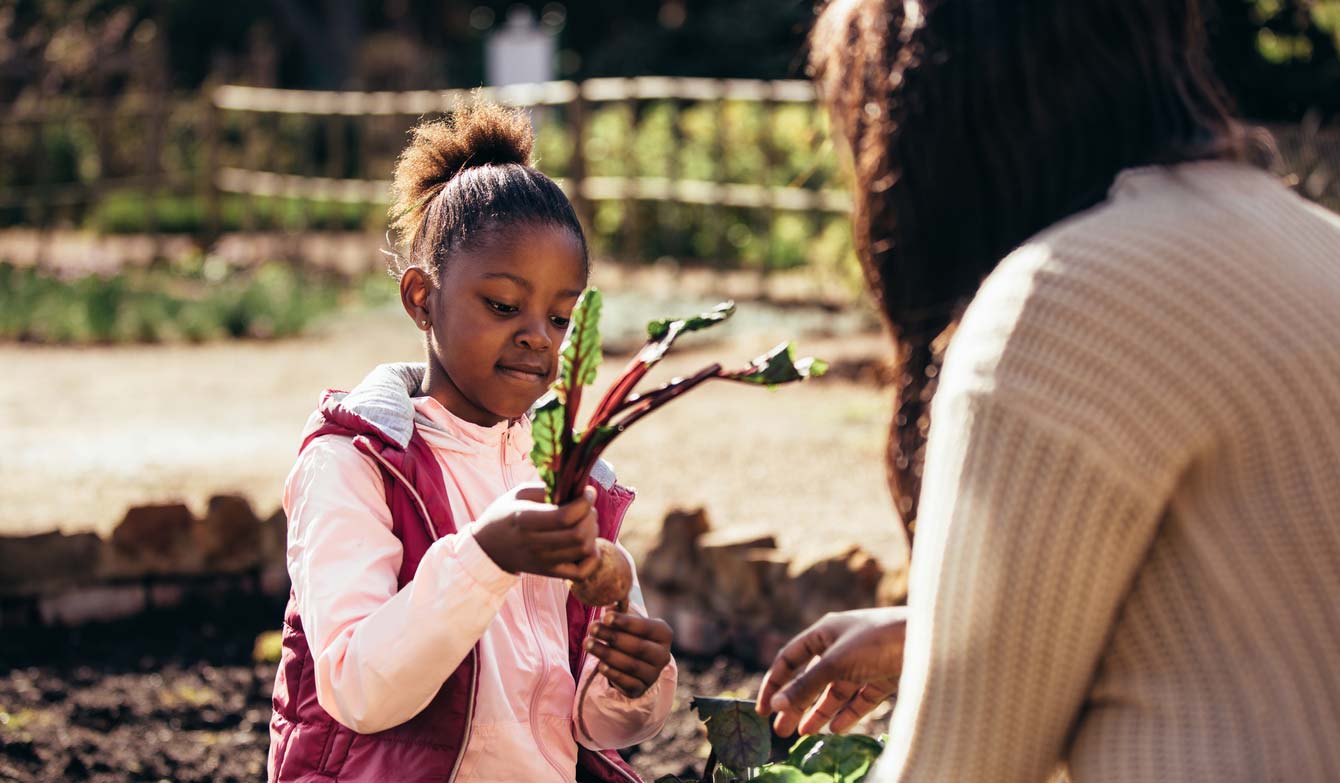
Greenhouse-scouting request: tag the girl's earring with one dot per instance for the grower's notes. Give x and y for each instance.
(424, 324)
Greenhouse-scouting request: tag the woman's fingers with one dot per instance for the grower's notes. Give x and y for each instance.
(794, 657)
(862, 704)
(835, 697)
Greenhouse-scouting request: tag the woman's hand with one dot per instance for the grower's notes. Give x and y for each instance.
(853, 659)
(632, 650)
(522, 533)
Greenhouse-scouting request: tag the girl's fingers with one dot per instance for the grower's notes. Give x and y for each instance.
(576, 571)
(576, 511)
(640, 647)
(642, 670)
(545, 544)
(570, 555)
(657, 631)
(628, 684)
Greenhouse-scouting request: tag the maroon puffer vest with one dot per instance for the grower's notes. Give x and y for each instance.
(306, 744)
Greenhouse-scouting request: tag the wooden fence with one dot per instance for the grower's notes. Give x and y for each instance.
(728, 171)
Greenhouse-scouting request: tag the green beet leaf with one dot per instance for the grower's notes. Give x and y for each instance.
(547, 431)
(581, 352)
(740, 737)
(845, 757)
(780, 366)
(785, 773)
(662, 334)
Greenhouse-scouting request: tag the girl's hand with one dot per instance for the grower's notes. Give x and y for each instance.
(632, 650)
(522, 533)
(853, 659)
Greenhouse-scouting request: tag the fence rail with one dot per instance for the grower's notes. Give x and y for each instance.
(728, 171)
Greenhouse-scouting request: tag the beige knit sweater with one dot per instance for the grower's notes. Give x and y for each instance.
(1128, 555)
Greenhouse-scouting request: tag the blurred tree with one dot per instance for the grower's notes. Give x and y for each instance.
(1279, 58)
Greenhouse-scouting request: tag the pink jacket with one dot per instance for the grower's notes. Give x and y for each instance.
(382, 653)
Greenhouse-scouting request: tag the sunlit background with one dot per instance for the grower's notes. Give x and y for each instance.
(193, 201)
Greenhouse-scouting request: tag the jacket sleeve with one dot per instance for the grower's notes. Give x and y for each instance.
(381, 653)
(613, 719)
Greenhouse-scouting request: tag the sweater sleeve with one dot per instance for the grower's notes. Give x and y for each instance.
(1028, 541)
(613, 719)
(381, 652)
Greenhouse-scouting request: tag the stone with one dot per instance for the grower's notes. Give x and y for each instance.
(31, 565)
(96, 603)
(155, 539)
(274, 579)
(697, 632)
(673, 561)
(849, 580)
(229, 536)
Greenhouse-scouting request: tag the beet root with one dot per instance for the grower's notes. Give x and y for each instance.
(609, 584)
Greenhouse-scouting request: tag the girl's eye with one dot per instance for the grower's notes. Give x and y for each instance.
(500, 308)
(561, 322)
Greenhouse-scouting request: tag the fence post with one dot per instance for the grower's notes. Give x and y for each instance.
(768, 141)
(577, 162)
(632, 219)
(207, 179)
(721, 216)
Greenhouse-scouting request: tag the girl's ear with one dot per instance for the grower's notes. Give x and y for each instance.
(416, 295)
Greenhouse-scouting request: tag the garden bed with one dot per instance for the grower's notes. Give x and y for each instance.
(186, 701)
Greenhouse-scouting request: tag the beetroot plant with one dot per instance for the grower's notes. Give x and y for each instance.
(741, 742)
(565, 455)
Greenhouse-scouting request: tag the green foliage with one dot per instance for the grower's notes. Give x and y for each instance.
(269, 647)
(547, 431)
(194, 301)
(780, 366)
(717, 141)
(742, 741)
(581, 354)
(668, 329)
(565, 458)
(740, 737)
(129, 212)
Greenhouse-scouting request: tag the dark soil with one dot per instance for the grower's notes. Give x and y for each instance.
(174, 697)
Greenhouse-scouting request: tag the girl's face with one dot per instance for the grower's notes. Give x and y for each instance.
(496, 320)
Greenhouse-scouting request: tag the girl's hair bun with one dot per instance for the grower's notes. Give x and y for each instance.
(475, 134)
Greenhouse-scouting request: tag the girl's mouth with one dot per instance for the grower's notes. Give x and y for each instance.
(530, 374)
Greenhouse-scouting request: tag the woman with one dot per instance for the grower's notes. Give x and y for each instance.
(1128, 524)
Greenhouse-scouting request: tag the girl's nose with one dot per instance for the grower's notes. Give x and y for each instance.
(534, 338)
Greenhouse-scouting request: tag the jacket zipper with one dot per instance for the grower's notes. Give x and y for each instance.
(527, 587)
(474, 652)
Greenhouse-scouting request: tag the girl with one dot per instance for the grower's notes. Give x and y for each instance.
(430, 635)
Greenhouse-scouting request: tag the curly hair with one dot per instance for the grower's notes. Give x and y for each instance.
(461, 179)
(974, 125)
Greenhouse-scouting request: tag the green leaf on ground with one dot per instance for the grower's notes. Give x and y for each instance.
(845, 757)
(739, 735)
